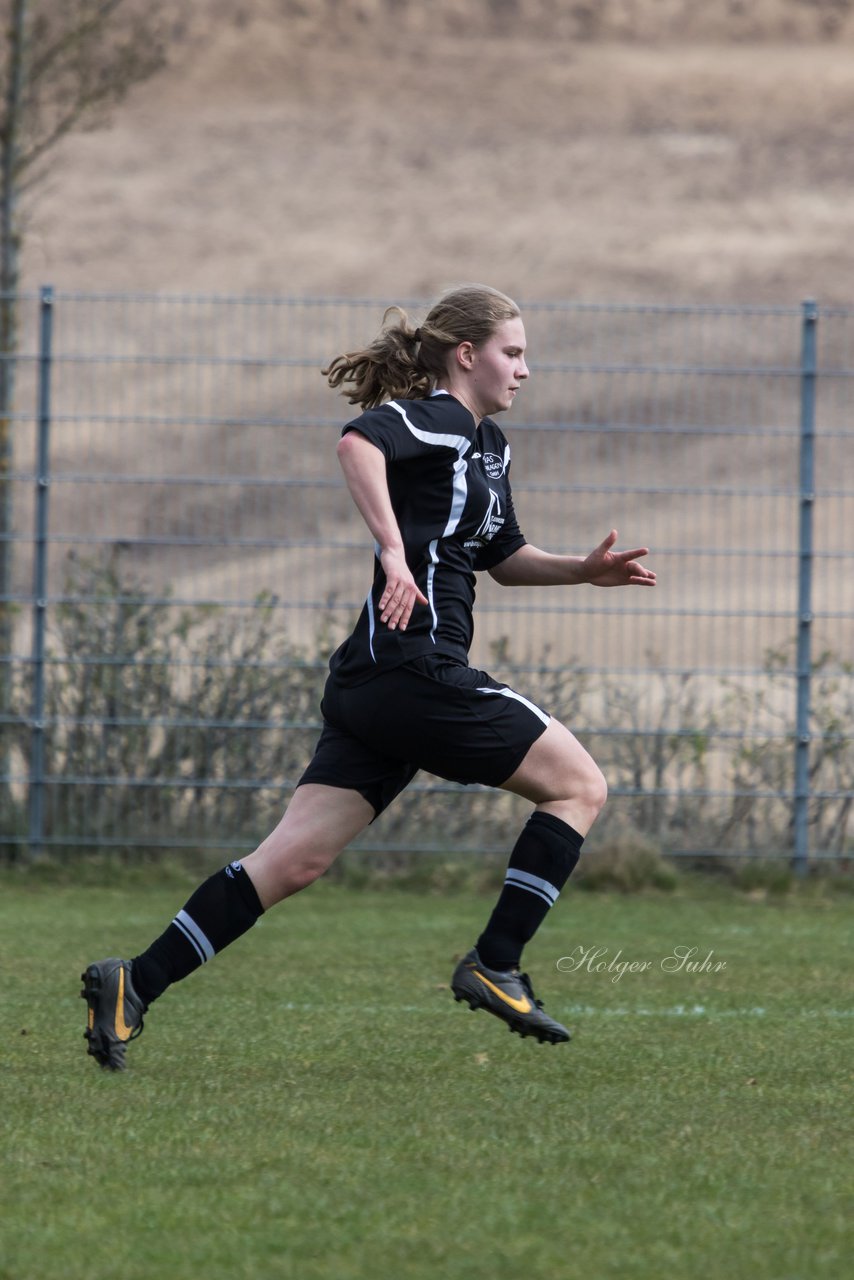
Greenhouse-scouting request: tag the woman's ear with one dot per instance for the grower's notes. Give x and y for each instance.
(464, 355)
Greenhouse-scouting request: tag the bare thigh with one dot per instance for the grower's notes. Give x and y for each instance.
(561, 777)
(317, 825)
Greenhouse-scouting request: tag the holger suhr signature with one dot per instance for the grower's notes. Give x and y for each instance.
(680, 959)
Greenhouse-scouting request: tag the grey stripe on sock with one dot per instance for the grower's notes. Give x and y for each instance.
(194, 934)
(534, 884)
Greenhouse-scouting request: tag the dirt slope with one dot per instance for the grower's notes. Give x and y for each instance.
(666, 151)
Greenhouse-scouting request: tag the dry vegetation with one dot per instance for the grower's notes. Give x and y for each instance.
(658, 149)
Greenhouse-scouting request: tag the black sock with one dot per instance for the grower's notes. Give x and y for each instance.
(220, 910)
(542, 861)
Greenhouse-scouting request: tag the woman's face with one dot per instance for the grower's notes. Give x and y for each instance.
(496, 370)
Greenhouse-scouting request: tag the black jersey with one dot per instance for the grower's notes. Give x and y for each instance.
(450, 491)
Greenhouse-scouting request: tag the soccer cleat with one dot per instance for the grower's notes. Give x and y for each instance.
(115, 1011)
(509, 995)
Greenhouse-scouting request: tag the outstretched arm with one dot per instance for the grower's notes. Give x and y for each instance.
(531, 567)
(364, 470)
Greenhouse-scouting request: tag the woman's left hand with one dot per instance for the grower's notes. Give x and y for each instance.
(607, 568)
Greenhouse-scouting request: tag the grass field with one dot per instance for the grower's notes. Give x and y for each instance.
(314, 1104)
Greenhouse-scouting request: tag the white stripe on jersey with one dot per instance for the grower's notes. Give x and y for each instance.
(372, 624)
(458, 500)
(460, 443)
(431, 571)
(511, 693)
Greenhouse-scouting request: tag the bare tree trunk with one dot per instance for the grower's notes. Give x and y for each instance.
(9, 281)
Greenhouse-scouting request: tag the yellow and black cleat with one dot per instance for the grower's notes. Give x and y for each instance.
(114, 1011)
(509, 995)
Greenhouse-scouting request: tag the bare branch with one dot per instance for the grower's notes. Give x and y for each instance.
(71, 37)
(90, 66)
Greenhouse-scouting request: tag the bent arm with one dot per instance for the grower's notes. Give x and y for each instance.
(364, 468)
(531, 567)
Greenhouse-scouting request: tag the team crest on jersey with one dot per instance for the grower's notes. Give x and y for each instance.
(493, 465)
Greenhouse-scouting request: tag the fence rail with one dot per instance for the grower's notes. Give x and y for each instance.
(179, 556)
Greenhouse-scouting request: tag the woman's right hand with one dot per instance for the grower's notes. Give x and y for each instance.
(401, 592)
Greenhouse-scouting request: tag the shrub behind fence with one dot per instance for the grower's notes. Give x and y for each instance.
(184, 556)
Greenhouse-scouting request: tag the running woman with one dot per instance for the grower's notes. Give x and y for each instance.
(428, 469)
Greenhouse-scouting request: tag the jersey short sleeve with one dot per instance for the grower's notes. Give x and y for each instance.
(403, 434)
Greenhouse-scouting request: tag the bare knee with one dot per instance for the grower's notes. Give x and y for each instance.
(299, 875)
(593, 789)
(301, 867)
(559, 775)
(580, 798)
(318, 823)
(279, 873)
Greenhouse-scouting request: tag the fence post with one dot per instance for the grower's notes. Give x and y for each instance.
(806, 485)
(36, 786)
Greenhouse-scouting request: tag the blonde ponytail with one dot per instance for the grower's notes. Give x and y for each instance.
(408, 362)
(384, 370)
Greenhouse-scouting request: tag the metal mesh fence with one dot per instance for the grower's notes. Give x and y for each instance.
(183, 555)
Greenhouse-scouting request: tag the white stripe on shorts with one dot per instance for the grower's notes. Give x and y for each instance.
(517, 697)
(194, 935)
(534, 884)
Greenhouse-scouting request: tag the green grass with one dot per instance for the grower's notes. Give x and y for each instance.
(314, 1104)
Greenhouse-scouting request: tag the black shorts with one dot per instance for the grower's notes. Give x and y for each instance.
(433, 713)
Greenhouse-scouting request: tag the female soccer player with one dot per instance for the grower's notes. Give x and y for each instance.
(428, 470)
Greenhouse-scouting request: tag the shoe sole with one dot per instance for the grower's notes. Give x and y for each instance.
(108, 1054)
(523, 1029)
